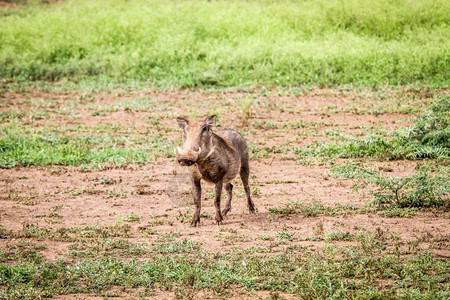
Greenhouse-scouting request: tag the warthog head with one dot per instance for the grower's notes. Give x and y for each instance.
(196, 139)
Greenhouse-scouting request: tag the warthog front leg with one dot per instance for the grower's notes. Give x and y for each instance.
(218, 195)
(197, 194)
(229, 189)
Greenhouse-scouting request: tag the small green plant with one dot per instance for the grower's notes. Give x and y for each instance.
(102, 231)
(205, 214)
(313, 208)
(309, 209)
(132, 218)
(338, 235)
(429, 135)
(245, 105)
(349, 170)
(266, 237)
(285, 236)
(290, 208)
(403, 212)
(183, 246)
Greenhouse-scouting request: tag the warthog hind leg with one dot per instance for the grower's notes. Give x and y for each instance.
(219, 217)
(229, 189)
(245, 171)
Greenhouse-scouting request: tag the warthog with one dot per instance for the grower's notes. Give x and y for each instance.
(216, 157)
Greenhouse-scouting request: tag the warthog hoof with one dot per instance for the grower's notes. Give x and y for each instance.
(219, 219)
(195, 222)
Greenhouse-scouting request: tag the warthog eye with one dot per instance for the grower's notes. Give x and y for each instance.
(204, 129)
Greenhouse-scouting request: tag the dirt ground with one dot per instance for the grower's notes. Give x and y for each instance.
(158, 191)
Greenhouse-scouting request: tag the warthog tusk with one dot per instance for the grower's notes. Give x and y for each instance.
(209, 154)
(199, 150)
(178, 150)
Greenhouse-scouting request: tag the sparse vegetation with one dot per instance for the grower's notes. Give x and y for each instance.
(358, 274)
(310, 209)
(418, 190)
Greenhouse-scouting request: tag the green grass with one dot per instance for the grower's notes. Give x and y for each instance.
(373, 269)
(18, 148)
(102, 259)
(228, 43)
(427, 137)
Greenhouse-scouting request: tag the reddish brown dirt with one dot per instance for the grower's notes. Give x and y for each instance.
(50, 190)
(29, 195)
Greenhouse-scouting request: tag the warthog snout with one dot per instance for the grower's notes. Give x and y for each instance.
(187, 158)
(184, 161)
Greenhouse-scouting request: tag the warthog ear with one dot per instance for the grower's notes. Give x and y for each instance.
(182, 122)
(211, 121)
